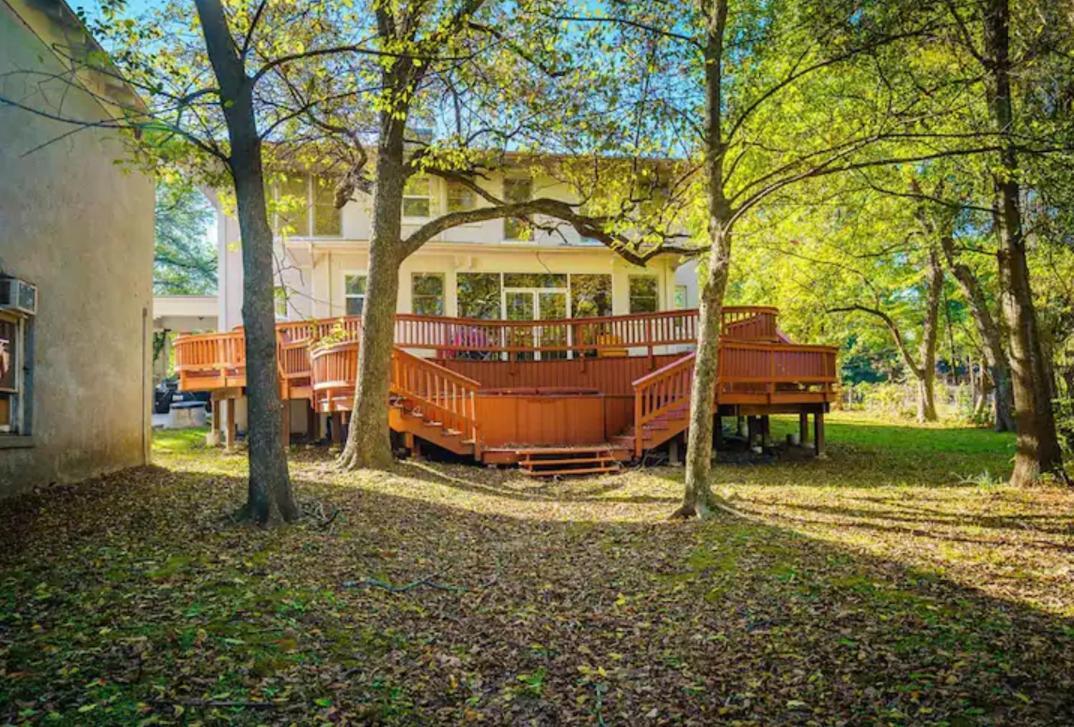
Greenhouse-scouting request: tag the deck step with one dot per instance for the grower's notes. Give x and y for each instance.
(567, 461)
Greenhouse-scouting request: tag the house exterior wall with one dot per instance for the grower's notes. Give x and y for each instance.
(81, 229)
(312, 269)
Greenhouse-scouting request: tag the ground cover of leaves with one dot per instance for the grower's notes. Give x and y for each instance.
(895, 582)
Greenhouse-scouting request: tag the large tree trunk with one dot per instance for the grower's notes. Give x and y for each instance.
(368, 437)
(988, 329)
(697, 493)
(1038, 445)
(269, 495)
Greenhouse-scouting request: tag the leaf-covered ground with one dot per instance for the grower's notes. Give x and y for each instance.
(896, 582)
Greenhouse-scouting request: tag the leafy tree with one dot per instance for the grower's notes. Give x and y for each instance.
(184, 261)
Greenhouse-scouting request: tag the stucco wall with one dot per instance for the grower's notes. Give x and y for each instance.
(81, 229)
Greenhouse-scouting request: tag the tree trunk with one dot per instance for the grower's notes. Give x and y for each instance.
(269, 495)
(697, 493)
(1038, 445)
(368, 437)
(995, 355)
(926, 374)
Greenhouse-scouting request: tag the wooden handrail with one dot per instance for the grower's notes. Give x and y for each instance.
(441, 394)
(659, 392)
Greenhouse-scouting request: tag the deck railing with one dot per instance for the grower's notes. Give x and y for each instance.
(659, 392)
(606, 335)
(209, 355)
(333, 368)
(441, 394)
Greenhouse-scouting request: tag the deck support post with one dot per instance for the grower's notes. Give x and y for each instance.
(229, 424)
(766, 432)
(285, 424)
(717, 433)
(674, 456)
(803, 428)
(212, 439)
(740, 425)
(313, 424)
(336, 426)
(818, 433)
(751, 430)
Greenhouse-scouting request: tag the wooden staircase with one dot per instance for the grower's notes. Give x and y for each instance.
(433, 403)
(567, 461)
(656, 431)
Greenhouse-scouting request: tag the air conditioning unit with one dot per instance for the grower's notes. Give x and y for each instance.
(18, 295)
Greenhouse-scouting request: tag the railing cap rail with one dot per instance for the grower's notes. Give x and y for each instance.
(664, 370)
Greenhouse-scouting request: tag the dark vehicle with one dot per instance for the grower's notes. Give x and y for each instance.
(167, 392)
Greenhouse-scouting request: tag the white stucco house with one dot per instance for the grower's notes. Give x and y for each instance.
(76, 260)
(492, 269)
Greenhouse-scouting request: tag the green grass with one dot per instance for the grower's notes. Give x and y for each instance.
(885, 584)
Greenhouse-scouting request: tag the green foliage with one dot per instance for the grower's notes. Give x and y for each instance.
(184, 261)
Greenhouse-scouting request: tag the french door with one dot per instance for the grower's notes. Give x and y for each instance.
(534, 304)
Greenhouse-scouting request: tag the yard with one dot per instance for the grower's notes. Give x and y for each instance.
(898, 581)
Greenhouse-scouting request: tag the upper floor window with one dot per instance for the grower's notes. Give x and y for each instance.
(517, 189)
(417, 197)
(306, 205)
(354, 294)
(427, 294)
(327, 218)
(460, 198)
(644, 294)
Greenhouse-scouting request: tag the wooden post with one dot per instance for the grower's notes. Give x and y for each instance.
(213, 440)
(313, 421)
(818, 433)
(285, 424)
(336, 425)
(766, 432)
(803, 428)
(740, 426)
(717, 432)
(751, 430)
(229, 424)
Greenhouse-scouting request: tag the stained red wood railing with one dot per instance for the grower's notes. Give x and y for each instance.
(333, 369)
(441, 394)
(659, 392)
(611, 335)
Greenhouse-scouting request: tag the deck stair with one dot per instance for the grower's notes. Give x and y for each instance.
(567, 461)
(655, 432)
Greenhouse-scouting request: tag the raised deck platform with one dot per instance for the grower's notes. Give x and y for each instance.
(504, 391)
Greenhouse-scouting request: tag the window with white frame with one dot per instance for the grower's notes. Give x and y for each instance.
(644, 294)
(279, 296)
(682, 296)
(427, 294)
(515, 190)
(327, 218)
(292, 206)
(418, 201)
(13, 364)
(460, 198)
(354, 293)
(306, 205)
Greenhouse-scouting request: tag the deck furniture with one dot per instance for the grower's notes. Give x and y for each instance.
(554, 396)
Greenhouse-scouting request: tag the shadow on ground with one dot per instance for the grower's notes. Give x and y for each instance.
(414, 599)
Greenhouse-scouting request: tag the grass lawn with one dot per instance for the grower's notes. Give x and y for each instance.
(896, 582)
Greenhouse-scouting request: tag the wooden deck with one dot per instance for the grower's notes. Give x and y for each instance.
(502, 391)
